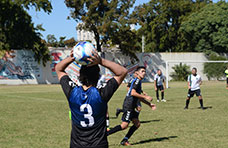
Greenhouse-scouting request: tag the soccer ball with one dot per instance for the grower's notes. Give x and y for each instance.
(82, 51)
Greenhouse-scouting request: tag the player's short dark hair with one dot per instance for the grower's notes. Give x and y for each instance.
(140, 67)
(89, 75)
(194, 68)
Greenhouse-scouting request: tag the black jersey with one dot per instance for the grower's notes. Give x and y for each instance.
(130, 102)
(88, 109)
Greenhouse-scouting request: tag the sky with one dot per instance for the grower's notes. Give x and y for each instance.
(56, 22)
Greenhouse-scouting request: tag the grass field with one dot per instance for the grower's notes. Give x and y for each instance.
(36, 116)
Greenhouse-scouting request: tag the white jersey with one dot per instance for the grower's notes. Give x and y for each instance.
(194, 81)
(159, 79)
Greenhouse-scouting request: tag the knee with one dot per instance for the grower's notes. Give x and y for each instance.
(124, 126)
(137, 125)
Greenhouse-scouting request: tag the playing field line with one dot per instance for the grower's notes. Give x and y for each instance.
(33, 98)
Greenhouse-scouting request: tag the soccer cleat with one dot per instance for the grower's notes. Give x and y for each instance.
(117, 112)
(158, 101)
(185, 107)
(125, 142)
(163, 100)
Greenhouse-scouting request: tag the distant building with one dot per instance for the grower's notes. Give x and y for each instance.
(83, 35)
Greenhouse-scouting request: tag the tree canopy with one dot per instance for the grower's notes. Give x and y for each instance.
(207, 29)
(103, 18)
(160, 21)
(17, 30)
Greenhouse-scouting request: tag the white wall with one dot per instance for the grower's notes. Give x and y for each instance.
(21, 67)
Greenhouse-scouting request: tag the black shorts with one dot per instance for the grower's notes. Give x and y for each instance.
(160, 87)
(226, 80)
(129, 115)
(192, 92)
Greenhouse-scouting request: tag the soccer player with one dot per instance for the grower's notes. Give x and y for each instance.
(139, 105)
(88, 104)
(194, 82)
(129, 106)
(226, 73)
(159, 84)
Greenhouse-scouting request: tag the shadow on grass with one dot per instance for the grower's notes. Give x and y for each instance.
(154, 140)
(148, 121)
(207, 107)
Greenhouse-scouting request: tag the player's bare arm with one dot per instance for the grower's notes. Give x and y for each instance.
(152, 106)
(189, 87)
(164, 84)
(141, 97)
(61, 66)
(155, 85)
(119, 71)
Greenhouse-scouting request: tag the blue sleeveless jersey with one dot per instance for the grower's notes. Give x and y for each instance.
(88, 109)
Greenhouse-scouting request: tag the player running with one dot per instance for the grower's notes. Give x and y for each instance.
(159, 84)
(139, 105)
(129, 106)
(88, 104)
(194, 82)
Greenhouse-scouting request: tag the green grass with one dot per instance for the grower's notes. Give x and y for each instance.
(36, 116)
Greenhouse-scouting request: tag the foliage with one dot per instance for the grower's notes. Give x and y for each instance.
(181, 72)
(215, 70)
(104, 19)
(70, 42)
(17, 30)
(160, 22)
(53, 42)
(207, 29)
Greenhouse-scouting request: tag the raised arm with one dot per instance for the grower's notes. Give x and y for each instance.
(61, 66)
(119, 71)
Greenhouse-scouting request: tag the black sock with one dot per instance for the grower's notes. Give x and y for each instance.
(114, 130)
(162, 94)
(187, 102)
(201, 102)
(157, 94)
(131, 131)
(121, 110)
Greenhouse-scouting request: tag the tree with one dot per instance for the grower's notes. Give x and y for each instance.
(181, 72)
(160, 21)
(52, 41)
(214, 70)
(17, 30)
(70, 42)
(207, 29)
(61, 41)
(102, 17)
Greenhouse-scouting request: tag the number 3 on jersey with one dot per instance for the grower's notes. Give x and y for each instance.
(87, 116)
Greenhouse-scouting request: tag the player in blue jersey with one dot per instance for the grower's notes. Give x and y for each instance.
(139, 105)
(87, 103)
(130, 105)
